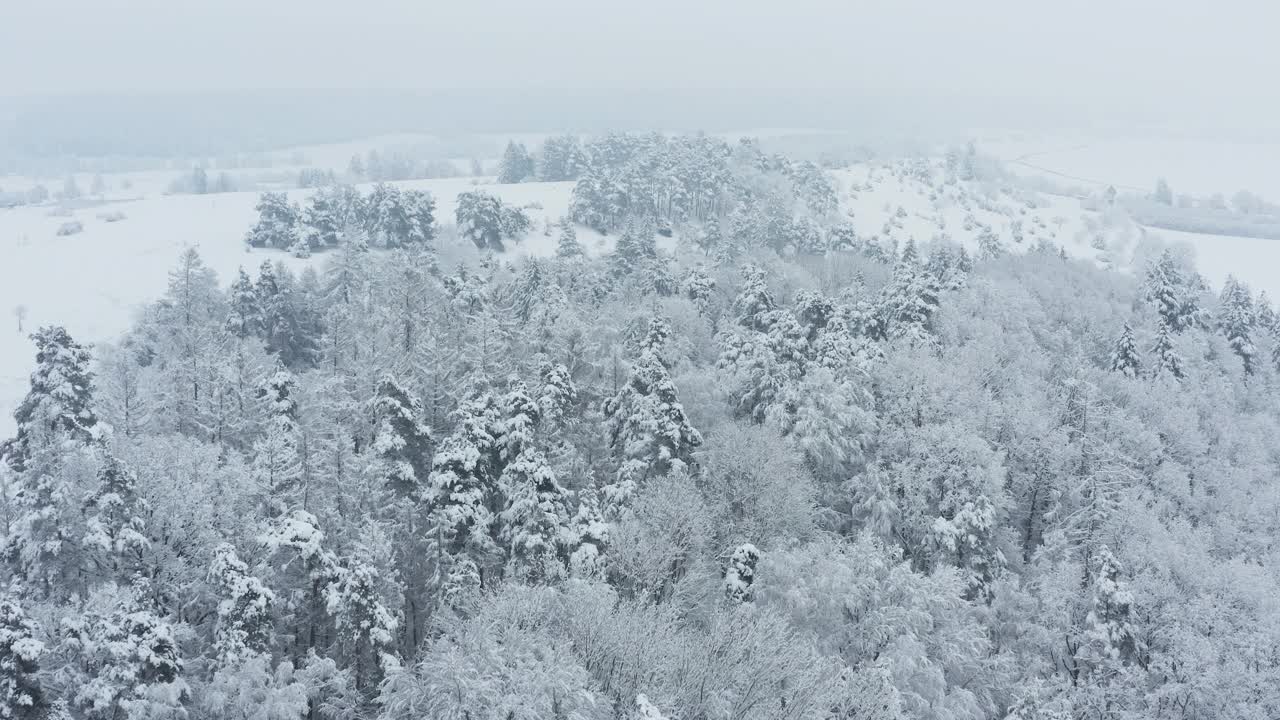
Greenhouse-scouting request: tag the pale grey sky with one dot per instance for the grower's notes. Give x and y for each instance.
(1205, 57)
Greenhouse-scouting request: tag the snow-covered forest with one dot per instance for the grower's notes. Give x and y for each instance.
(746, 460)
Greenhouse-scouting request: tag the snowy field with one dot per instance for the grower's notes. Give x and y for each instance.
(1194, 166)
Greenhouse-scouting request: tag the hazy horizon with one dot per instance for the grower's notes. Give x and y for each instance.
(1178, 64)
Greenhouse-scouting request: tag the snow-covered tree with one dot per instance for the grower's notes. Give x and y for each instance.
(21, 695)
(1124, 356)
(517, 164)
(648, 427)
(1165, 358)
(127, 661)
(741, 572)
(115, 530)
(277, 225)
(567, 246)
(1171, 293)
(535, 517)
(401, 441)
(1236, 317)
(59, 402)
(245, 318)
(244, 608)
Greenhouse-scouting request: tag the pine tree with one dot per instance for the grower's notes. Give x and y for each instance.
(648, 428)
(480, 219)
(401, 442)
(276, 469)
(21, 696)
(1110, 636)
(116, 531)
(535, 516)
(129, 664)
(910, 299)
(320, 222)
(741, 572)
(277, 225)
(517, 164)
(366, 628)
(1166, 357)
(1171, 294)
(60, 401)
(558, 395)
(589, 535)
(244, 609)
(1237, 316)
(1124, 357)
(245, 318)
(754, 304)
(568, 246)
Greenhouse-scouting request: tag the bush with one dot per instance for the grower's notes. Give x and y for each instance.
(70, 228)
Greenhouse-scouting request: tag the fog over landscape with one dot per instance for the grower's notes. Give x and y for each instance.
(639, 361)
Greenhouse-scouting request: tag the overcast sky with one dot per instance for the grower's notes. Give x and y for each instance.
(1206, 57)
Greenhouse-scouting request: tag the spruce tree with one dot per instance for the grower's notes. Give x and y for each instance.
(277, 225)
(568, 246)
(535, 516)
(1172, 295)
(21, 696)
(401, 442)
(1236, 319)
(60, 400)
(517, 164)
(116, 531)
(244, 608)
(1166, 358)
(245, 317)
(1124, 357)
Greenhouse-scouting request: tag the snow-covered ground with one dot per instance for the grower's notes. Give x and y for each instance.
(1195, 166)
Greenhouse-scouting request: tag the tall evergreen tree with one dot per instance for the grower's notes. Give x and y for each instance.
(1166, 358)
(1236, 319)
(1124, 357)
(60, 400)
(21, 695)
(401, 442)
(517, 164)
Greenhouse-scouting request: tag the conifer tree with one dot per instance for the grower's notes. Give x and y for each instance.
(21, 695)
(277, 225)
(59, 402)
(568, 246)
(1166, 358)
(535, 517)
(753, 304)
(1124, 357)
(245, 318)
(401, 441)
(741, 572)
(1237, 316)
(276, 469)
(116, 531)
(1172, 295)
(244, 609)
(517, 164)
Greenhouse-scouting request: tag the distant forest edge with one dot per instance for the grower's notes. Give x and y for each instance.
(218, 122)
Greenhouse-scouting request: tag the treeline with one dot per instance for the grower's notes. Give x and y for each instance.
(387, 217)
